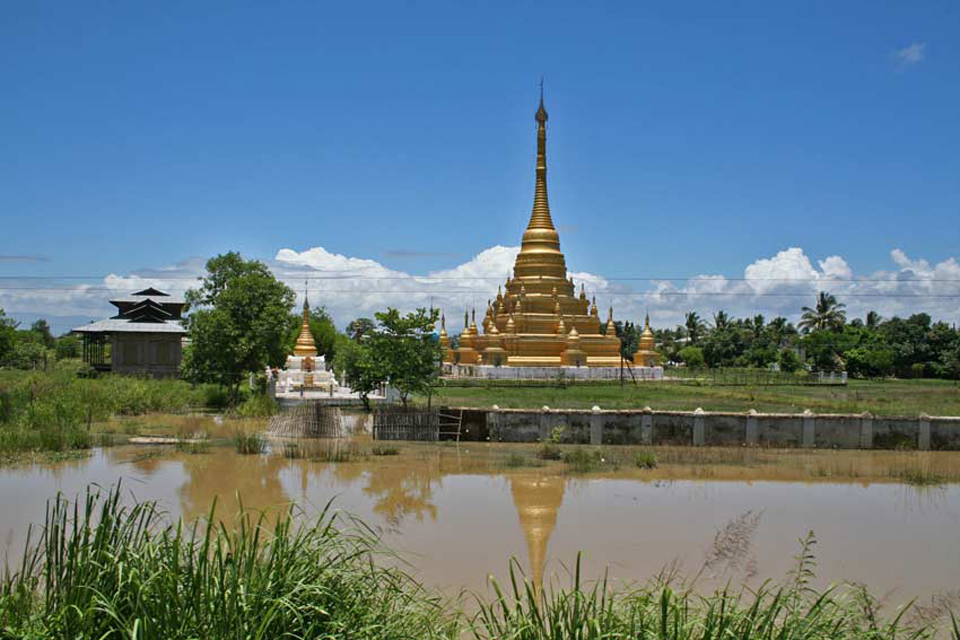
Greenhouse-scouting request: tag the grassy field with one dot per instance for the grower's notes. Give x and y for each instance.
(104, 570)
(886, 397)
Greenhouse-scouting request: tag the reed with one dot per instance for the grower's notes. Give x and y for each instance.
(105, 570)
(249, 442)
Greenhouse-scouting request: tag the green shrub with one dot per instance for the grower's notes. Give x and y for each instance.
(260, 405)
(249, 443)
(385, 450)
(583, 460)
(645, 460)
(549, 451)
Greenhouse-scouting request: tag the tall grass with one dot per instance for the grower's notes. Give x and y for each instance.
(54, 411)
(791, 611)
(249, 442)
(104, 570)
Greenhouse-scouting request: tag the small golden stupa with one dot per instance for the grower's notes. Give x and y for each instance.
(304, 369)
(646, 355)
(305, 346)
(538, 320)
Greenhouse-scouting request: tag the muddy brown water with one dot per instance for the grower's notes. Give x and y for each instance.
(459, 513)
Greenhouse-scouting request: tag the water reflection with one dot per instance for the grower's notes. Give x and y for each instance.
(537, 499)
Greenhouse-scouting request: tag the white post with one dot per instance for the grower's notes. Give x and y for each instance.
(809, 421)
(596, 427)
(699, 432)
(923, 441)
(752, 434)
(866, 430)
(646, 426)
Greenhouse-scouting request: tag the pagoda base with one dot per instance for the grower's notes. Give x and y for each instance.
(487, 372)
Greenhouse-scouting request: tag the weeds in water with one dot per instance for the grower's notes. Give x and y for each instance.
(549, 451)
(919, 477)
(645, 460)
(105, 440)
(516, 460)
(194, 445)
(583, 460)
(385, 450)
(249, 443)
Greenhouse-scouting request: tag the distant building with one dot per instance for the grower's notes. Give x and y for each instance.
(145, 337)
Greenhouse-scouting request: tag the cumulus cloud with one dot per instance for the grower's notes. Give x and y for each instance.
(352, 286)
(909, 56)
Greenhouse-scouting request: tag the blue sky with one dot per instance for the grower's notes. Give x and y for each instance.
(684, 138)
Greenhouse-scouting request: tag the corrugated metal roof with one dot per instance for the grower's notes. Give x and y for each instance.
(114, 325)
(157, 299)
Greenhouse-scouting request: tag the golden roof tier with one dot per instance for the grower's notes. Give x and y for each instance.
(531, 321)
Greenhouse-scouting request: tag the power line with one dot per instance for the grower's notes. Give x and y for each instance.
(349, 275)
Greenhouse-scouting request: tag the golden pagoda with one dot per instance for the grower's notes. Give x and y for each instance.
(305, 346)
(538, 320)
(646, 355)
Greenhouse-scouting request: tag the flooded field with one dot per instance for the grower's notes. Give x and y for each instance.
(459, 513)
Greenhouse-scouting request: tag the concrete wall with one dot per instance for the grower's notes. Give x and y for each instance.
(841, 431)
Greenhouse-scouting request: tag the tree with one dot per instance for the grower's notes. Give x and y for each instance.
(695, 327)
(237, 324)
(692, 356)
(68, 347)
(42, 328)
(405, 350)
(8, 332)
(873, 320)
(789, 360)
(721, 320)
(361, 327)
(357, 368)
(629, 335)
(828, 314)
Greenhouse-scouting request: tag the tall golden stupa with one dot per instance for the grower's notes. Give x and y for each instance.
(537, 319)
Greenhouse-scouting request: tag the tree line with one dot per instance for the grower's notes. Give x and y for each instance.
(240, 320)
(824, 339)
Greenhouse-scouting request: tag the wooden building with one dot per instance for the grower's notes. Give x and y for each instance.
(145, 337)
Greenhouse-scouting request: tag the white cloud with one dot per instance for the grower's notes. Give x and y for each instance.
(351, 286)
(908, 56)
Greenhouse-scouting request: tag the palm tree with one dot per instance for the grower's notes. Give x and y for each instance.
(779, 328)
(828, 314)
(720, 319)
(873, 320)
(695, 326)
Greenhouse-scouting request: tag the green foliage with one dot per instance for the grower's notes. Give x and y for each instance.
(827, 315)
(258, 405)
(238, 322)
(103, 570)
(789, 360)
(549, 451)
(53, 411)
(8, 330)
(589, 460)
(404, 350)
(358, 369)
(645, 460)
(68, 347)
(385, 450)
(692, 356)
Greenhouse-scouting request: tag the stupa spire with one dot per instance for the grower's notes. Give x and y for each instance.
(305, 346)
(540, 218)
